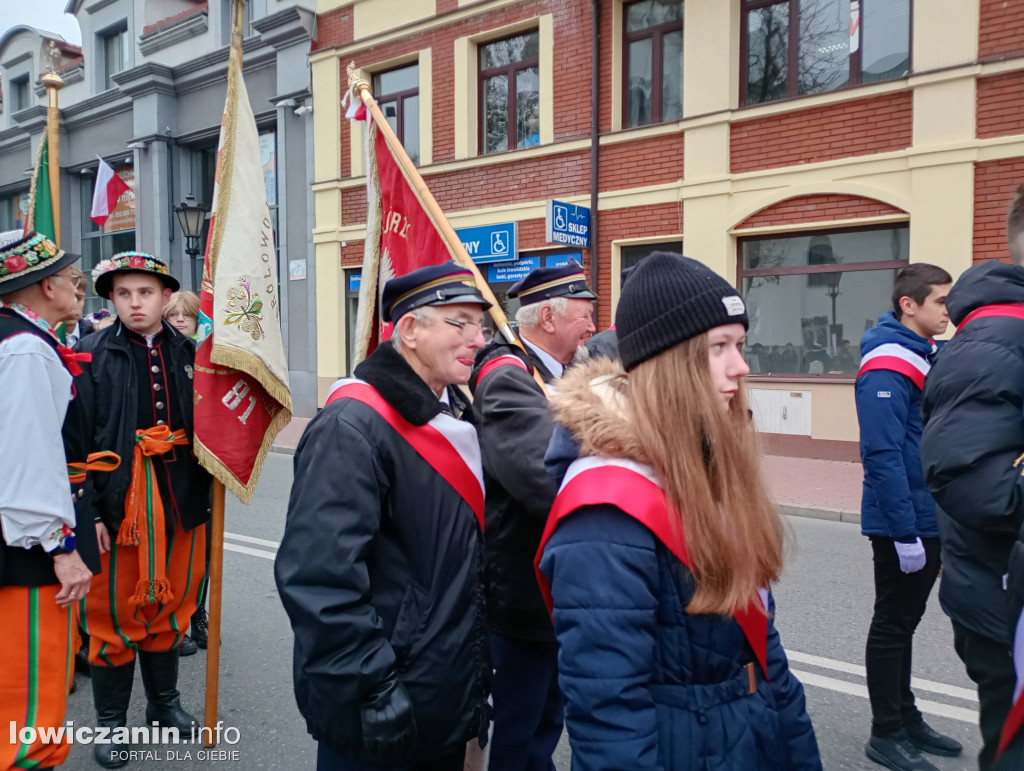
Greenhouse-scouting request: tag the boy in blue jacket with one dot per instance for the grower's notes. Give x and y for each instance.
(897, 512)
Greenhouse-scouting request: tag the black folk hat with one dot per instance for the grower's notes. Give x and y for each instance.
(29, 260)
(130, 262)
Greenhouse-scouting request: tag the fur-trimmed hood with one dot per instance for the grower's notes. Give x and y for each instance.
(591, 403)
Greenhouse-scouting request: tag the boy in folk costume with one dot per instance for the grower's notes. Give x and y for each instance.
(42, 569)
(135, 398)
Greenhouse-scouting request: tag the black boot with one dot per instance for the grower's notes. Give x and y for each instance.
(160, 677)
(199, 626)
(111, 694)
(82, 658)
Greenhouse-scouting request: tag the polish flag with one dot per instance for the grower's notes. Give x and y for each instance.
(109, 187)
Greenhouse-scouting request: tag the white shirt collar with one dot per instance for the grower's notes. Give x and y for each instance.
(552, 364)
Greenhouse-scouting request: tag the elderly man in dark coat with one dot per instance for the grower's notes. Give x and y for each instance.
(555, 318)
(381, 564)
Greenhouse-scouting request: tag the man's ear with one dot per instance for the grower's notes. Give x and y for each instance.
(167, 294)
(908, 306)
(547, 317)
(404, 329)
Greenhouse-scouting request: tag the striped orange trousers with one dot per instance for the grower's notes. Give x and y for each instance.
(117, 628)
(35, 673)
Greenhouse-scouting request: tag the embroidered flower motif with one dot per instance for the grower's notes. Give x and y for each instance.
(245, 308)
(103, 266)
(15, 263)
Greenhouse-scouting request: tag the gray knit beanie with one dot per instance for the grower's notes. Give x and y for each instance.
(670, 298)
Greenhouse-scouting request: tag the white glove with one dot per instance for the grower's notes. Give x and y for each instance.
(912, 557)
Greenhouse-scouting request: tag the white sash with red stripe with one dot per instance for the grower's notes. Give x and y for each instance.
(634, 488)
(449, 445)
(895, 358)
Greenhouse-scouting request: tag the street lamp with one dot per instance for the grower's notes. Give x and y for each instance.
(191, 217)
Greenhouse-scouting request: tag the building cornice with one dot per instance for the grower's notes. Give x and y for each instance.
(286, 28)
(210, 68)
(92, 7)
(95, 109)
(182, 29)
(148, 78)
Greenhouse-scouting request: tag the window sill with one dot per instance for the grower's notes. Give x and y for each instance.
(804, 378)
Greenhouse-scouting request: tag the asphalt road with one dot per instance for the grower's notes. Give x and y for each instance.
(823, 610)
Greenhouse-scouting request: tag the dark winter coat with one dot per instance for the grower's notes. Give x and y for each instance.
(973, 410)
(515, 428)
(896, 502)
(114, 395)
(604, 344)
(380, 570)
(646, 684)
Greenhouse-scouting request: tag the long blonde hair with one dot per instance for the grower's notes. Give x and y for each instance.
(709, 463)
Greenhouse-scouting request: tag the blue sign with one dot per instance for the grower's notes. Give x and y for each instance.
(567, 223)
(354, 280)
(491, 243)
(558, 260)
(513, 270)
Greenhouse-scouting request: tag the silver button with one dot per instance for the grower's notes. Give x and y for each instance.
(160, 422)
(153, 352)
(81, 492)
(154, 369)
(159, 405)
(157, 386)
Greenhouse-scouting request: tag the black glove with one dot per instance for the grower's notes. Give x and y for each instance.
(389, 728)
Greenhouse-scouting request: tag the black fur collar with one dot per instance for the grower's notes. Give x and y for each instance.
(398, 383)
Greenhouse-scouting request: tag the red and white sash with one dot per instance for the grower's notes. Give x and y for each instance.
(633, 488)
(1004, 310)
(449, 445)
(498, 361)
(895, 358)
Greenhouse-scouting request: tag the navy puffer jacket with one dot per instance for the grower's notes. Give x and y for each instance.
(649, 686)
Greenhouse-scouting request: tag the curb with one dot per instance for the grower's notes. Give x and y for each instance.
(845, 516)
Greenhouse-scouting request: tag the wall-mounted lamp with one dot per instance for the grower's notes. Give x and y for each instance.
(304, 109)
(285, 103)
(138, 145)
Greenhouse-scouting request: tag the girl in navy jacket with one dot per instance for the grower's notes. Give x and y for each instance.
(662, 542)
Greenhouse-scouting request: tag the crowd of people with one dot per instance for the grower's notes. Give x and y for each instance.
(565, 532)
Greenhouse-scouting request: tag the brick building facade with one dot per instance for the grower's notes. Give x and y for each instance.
(804, 151)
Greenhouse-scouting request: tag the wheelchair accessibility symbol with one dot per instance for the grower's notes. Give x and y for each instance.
(561, 217)
(499, 243)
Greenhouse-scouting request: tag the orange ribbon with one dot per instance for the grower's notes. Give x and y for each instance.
(143, 524)
(97, 461)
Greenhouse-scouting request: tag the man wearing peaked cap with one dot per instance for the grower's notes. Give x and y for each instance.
(42, 569)
(135, 398)
(397, 672)
(555, 318)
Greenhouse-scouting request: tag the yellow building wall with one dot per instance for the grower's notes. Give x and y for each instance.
(932, 181)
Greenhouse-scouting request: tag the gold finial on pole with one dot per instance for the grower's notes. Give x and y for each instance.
(52, 59)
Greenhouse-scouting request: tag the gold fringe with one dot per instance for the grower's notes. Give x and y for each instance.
(243, 491)
(250, 364)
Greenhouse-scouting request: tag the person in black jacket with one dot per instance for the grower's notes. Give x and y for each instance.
(135, 398)
(973, 412)
(555, 318)
(381, 565)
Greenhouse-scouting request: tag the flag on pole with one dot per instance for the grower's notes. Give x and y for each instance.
(109, 187)
(401, 234)
(41, 198)
(242, 399)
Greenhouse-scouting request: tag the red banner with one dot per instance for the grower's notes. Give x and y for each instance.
(401, 236)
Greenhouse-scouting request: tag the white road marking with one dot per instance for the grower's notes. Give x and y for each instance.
(855, 669)
(854, 689)
(267, 555)
(275, 545)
